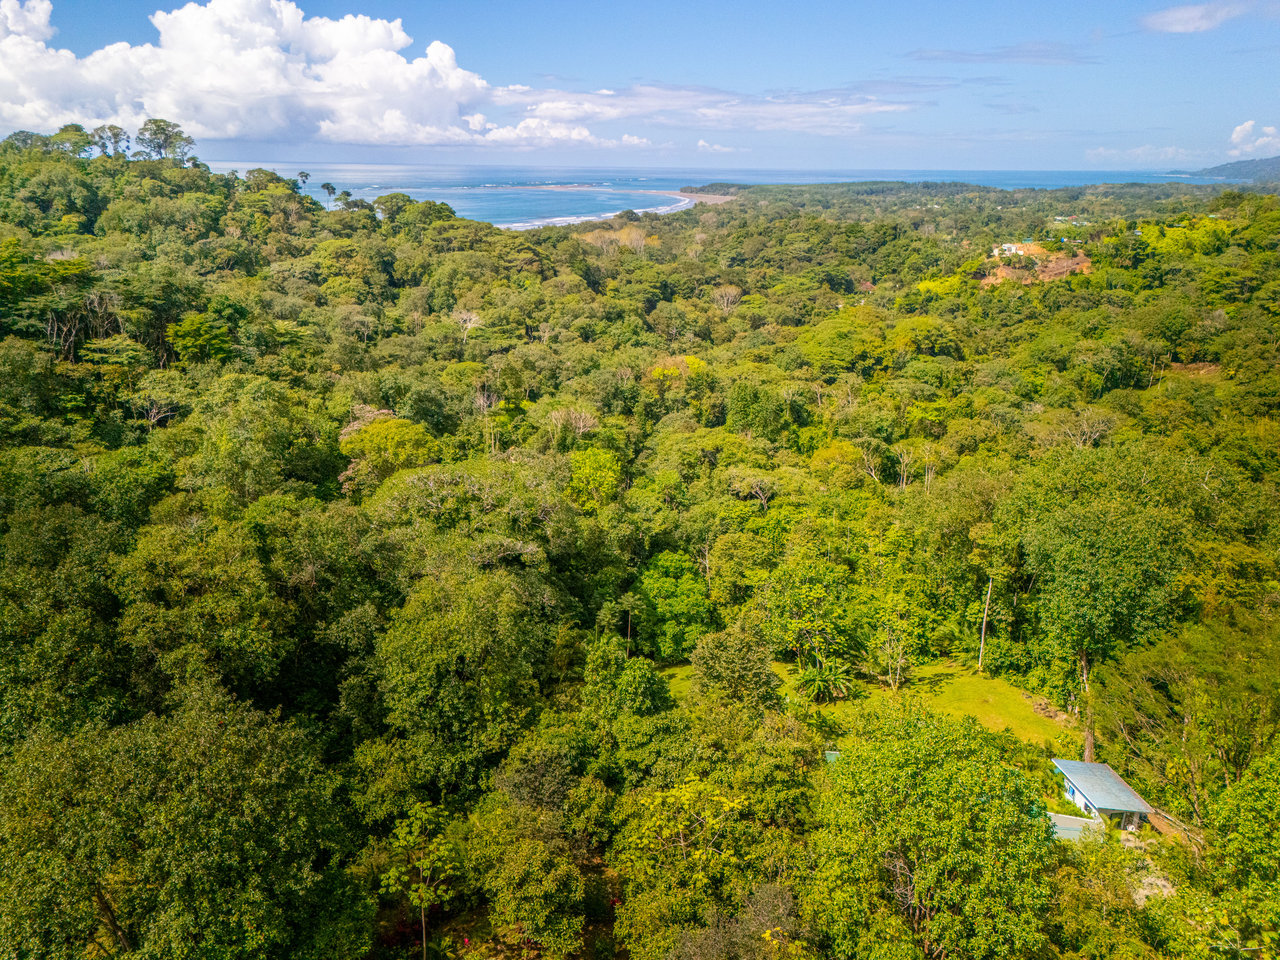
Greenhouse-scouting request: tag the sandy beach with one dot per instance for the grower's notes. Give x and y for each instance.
(683, 202)
(712, 198)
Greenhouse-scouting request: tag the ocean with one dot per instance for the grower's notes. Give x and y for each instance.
(526, 197)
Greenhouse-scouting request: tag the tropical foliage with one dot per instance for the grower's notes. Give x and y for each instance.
(351, 560)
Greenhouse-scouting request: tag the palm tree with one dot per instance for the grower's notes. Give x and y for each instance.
(330, 189)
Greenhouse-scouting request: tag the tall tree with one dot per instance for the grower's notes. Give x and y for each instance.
(163, 139)
(209, 833)
(931, 846)
(111, 140)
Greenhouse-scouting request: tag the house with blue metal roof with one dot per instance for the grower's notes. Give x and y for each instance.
(1101, 792)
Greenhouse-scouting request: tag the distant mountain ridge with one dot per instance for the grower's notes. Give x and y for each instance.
(1263, 169)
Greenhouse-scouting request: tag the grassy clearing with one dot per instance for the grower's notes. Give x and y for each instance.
(948, 688)
(680, 680)
(960, 691)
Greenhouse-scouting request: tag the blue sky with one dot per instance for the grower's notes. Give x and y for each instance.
(848, 85)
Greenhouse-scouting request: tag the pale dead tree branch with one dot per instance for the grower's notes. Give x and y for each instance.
(929, 457)
(577, 422)
(158, 412)
(605, 240)
(763, 491)
(581, 422)
(895, 657)
(634, 238)
(726, 297)
(63, 329)
(872, 450)
(704, 558)
(850, 392)
(870, 465)
(101, 307)
(1088, 426)
(906, 457)
(486, 400)
(361, 416)
(467, 320)
(747, 484)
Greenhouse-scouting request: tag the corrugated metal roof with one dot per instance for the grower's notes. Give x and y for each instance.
(1102, 786)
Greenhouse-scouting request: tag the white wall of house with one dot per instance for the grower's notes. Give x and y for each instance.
(1126, 820)
(1076, 797)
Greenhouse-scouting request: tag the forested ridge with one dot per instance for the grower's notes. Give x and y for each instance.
(379, 583)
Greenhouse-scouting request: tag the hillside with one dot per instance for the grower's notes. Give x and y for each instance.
(1263, 169)
(376, 583)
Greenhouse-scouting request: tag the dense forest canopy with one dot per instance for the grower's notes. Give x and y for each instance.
(377, 582)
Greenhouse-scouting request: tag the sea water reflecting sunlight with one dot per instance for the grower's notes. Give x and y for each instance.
(518, 197)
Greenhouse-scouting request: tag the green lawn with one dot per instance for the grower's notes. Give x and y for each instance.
(949, 688)
(680, 679)
(960, 691)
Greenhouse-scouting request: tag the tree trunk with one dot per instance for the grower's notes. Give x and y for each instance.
(1088, 732)
(1088, 706)
(982, 643)
(109, 915)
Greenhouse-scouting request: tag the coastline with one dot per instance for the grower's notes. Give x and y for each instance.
(684, 202)
(492, 194)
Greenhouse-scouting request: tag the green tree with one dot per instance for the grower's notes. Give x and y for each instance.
(111, 140)
(679, 853)
(1095, 887)
(930, 846)
(734, 665)
(520, 861)
(614, 684)
(1248, 848)
(805, 608)
(596, 476)
(210, 833)
(392, 205)
(381, 447)
(535, 894)
(457, 670)
(163, 139)
(1194, 710)
(72, 138)
(1106, 556)
(200, 338)
(677, 594)
(425, 865)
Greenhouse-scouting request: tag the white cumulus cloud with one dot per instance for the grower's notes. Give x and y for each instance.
(30, 19)
(1249, 138)
(705, 147)
(264, 70)
(255, 69)
(1193, 17)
